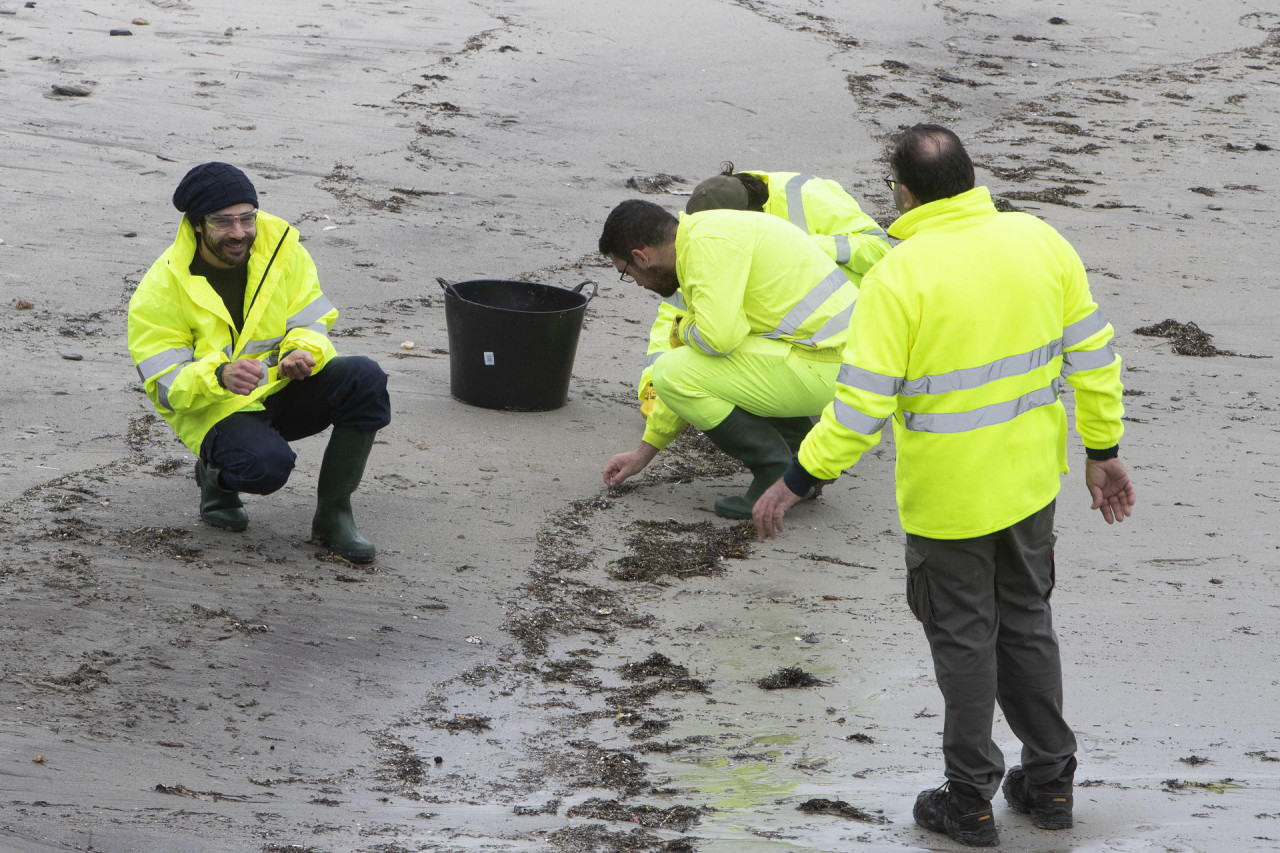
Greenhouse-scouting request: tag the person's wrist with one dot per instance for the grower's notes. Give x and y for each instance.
(217, 374)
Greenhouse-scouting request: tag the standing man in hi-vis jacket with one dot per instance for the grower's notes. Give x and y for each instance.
(962, 337)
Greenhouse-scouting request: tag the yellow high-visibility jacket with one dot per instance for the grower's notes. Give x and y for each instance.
(963, 335)
(819, 207)
(180, 330)
(822, 209)
(743, 274)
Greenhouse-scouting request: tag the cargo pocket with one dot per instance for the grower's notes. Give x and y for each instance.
(1053, 567)
(917, 584)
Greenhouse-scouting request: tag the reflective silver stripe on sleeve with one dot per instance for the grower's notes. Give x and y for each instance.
(319, 326)
(1081, 330)
(263, 345)
(164, 383)
(996, 413)
(162, 361)
(976, 377)
(1087, 360)
(852, 419)
(843, 251)
(866, 380)
(676, 300)
(696, 338)
(876, 232)
(795, 202)
(652, 357)
(310, 314)
(838, 323)
(811, 302)
(228, 350)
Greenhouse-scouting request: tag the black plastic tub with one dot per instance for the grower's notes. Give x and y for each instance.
(512, 343)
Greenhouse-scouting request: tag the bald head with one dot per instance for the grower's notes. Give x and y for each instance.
(931, 162)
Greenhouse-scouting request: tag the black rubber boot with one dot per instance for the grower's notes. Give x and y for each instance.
(959, 811)
(756, 443)
(1049, 804)
(340, 474)
(218, 506)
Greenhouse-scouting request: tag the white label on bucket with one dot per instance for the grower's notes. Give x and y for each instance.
(488, 359)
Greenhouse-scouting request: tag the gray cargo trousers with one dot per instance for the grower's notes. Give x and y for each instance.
(984, 605)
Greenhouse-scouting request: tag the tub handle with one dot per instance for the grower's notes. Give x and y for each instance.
(594, 288)
(444, 283)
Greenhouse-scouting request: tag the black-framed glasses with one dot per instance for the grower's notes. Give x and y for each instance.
(227, 221)
(624, 278)
(890, 183)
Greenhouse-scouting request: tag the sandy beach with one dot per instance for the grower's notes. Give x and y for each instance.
(534, 662)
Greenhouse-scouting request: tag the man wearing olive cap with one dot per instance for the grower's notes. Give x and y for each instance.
(230, 334)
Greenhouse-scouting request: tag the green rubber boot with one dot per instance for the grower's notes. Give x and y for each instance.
(219, 507)
(756, 443)
(792, 430)
(340, 474)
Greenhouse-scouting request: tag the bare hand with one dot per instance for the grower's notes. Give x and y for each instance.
(1108, 483)
(243, 375)
(623, 465)
(297, 365)
(769, 509)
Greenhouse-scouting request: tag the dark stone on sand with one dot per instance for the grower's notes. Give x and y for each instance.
(72, 90)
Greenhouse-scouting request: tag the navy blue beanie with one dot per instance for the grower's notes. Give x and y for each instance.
(213, 186)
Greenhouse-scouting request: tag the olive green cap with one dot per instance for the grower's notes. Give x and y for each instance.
(719, 192)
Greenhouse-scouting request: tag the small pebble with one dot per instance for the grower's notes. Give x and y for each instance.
(438, 759)
(73, 356)
(140, 22)
(131, 233)
(23, 305)
(408, 345)
(73, 90)
(1215, 207)
(122, 32)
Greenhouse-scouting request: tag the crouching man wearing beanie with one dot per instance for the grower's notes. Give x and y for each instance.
(230, 334)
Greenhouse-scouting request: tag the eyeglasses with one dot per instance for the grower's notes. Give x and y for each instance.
(227, 221)
(624, 278)
(891, 183)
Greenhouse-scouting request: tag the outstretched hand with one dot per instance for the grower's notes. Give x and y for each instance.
(771, 507)
(1109, 485)
(622, 466)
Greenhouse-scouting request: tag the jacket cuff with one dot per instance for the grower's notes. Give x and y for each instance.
(798, 480)
(1105, 453)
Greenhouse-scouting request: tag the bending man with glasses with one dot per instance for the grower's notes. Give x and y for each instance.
(818, 206)
(230, 334)
(755, 351)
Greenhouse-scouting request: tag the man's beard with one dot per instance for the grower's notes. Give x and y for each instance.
(229, 255)
(666, 286)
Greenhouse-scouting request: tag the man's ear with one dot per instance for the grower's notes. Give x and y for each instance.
(640, 257)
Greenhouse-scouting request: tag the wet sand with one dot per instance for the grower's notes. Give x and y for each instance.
(535, 663)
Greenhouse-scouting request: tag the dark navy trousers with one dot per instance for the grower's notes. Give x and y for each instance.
(252, 448)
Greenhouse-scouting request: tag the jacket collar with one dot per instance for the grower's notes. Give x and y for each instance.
(944, 213)
(271, 230)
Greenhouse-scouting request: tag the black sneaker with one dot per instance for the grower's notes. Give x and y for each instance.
(958, 811)
(1049, 805)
